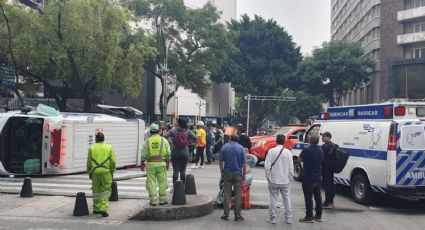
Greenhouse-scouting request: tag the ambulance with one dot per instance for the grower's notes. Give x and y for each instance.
(386, 144)
(44, 141)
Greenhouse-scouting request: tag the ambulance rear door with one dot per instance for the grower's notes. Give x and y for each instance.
(410, 154)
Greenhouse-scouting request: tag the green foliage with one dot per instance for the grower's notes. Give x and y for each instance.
(80, 48)
(333, 70)
(196, 42)
(305, 106)
(263, 66)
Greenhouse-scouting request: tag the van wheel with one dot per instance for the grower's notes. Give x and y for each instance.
(360, 189)
(297, 170)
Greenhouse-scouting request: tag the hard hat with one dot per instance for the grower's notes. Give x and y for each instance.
(214, 122)
(240, 125)
(200, 123)
(154, 127)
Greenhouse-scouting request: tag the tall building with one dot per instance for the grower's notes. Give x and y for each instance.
(393, 33)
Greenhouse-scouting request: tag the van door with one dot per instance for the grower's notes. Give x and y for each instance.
(297, 148)
(410, 164)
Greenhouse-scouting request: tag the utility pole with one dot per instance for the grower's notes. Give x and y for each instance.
(263, 98)
(200, 104)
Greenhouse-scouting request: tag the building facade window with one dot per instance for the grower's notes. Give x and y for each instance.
(410, 4)
(418, 52)
(419, 27)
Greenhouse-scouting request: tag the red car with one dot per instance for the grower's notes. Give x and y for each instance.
(262, 144)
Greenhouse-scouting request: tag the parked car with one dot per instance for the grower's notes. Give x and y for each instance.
(262, 144)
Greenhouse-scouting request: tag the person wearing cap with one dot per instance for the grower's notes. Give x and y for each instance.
(101, 162)
(156, 152)
(200, 144)
(327, 169)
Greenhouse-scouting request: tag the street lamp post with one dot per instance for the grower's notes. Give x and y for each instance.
(200, 104)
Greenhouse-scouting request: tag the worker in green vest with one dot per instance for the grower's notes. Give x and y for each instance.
(101, 163)
(155, 159)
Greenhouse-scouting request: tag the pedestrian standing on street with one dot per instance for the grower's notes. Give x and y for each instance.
(328, 148)
(210, 142)
(233, 169)
(181, 137)
(279, 170)
(101, 161)
(312, 178)
(219, 136)
(244, 139)
(156, 152)
(192, 146)
(200, 144)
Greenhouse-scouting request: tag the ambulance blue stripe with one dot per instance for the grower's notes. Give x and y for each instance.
(419, 182)
(342, 181)
(418, 155)
(406, 169)
(398, 135)
(408, 123)
(403, 159)
(372, 154)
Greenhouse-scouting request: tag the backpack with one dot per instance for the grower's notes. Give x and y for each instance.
(341, 158)
(181, 139)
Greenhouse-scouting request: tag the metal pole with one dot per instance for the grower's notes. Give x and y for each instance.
(164, 98)
(247, 117)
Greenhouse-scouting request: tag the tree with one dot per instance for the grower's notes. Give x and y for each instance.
(305, 106)
(333, 70)
(192, 43)
(77, 48)
(263, 66)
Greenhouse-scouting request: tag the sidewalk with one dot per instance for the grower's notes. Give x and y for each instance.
(62, 207)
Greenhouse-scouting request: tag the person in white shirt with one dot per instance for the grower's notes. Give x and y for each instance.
(279, 172)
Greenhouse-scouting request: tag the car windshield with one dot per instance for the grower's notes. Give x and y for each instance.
(283, 131)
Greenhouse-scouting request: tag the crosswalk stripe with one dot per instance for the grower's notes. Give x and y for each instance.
(70, 185)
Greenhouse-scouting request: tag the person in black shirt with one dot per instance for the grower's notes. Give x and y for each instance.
(311, 179)
(243, 138)
(328, 170)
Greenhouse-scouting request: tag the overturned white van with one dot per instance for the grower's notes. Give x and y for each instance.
(48, 142)
(386, 143)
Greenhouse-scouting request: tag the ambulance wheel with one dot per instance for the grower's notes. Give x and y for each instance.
(360, 189)
(297, 170)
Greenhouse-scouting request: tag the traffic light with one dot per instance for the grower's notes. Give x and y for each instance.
(34, 4)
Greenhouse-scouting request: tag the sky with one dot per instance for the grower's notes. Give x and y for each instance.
(307, 21)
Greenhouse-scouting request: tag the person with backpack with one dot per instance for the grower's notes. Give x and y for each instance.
(180, 138)
(210, 142)
(101, 161)
(328, 169)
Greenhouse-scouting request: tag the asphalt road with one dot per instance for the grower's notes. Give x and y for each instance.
(384, 213)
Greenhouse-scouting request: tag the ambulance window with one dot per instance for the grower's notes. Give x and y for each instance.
(313, 131)
(420, 111)
(412, 137)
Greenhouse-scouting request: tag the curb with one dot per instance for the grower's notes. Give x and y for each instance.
(197, 206)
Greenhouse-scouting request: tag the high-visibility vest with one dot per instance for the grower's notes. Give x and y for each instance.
(156, 146)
